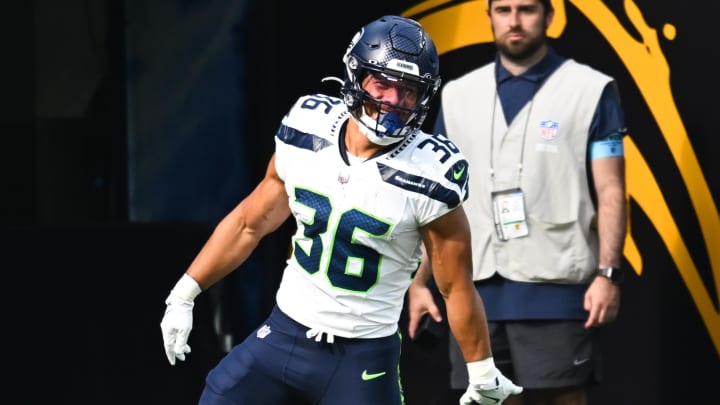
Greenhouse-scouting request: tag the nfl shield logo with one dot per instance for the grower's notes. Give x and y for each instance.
(263, 331)
(548, 129)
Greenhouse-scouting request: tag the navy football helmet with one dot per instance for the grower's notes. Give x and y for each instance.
(397, 49)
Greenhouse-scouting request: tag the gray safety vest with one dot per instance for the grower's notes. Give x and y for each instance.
(549, 137)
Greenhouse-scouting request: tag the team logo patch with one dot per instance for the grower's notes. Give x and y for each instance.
(549, 129)
(263, 331)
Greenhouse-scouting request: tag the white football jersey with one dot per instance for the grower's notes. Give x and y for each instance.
(357, 243)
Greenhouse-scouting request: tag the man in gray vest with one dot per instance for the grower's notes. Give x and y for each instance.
(547, 208)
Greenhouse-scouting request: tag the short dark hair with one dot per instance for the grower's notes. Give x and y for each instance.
(546, 3)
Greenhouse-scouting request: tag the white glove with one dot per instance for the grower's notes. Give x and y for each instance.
(177, 321)
(487, 384)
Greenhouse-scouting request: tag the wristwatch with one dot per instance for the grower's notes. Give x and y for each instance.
(614, 274)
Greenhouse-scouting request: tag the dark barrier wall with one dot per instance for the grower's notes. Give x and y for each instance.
(185, 70)
(83, 306)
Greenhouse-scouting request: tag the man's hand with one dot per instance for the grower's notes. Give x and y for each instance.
(178, 319)
(176, 326)
(420, 302)
(487, 384)
(602, 301)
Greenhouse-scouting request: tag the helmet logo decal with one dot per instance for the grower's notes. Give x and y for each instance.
(403, 66)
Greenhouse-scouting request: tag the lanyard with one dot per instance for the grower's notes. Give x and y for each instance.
(492, 136)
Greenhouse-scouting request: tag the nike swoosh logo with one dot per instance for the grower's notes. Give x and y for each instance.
(577, 362)
(459, 174)
(367, 377)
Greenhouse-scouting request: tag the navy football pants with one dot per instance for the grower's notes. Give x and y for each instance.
(277, 364)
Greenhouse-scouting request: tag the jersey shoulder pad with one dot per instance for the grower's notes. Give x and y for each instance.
(434, 163)
(313, 122)
(439, 154)
(316, 113)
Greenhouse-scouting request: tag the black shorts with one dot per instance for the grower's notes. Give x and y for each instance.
(537, 354)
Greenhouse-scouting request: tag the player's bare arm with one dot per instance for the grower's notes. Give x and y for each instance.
(235, 237)
(447, 242)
